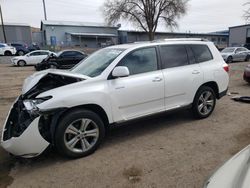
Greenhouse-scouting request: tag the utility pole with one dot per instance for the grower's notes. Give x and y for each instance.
(4, 35)
(44, 10)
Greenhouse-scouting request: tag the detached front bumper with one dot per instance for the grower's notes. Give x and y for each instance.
(21, 136)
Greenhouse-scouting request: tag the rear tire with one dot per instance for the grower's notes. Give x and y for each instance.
(21, 63)
(7, 53)
(204, 102)
(79, 133)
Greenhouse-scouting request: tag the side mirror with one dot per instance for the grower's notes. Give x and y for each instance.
(120, 71)
(27, 55)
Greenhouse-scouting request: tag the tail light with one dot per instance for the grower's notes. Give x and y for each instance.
(226, 67)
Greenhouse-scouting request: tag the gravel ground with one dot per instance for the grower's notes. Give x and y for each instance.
(167, 150)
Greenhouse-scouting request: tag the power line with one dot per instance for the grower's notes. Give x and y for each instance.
(44, 10)
(4, 35)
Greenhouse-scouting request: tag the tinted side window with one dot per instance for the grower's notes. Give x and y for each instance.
(191, 57)
(140, 61)
(44, 53)
(201, 53)
(35, 54)
(1, 45)
(174, 56)
(68, 54)
(78, 54)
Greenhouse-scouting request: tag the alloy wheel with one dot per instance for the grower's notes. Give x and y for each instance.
(206, 102)
(81, 135)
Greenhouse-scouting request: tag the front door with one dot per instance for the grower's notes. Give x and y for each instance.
(142, 92)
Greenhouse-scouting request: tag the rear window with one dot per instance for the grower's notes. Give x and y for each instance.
(201, 53)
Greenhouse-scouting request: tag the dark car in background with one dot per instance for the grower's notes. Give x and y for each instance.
(21, 48)
(63, 60)
(33, 47)
(246, 75)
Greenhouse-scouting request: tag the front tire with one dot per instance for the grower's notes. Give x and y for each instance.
(204, 102)
(21, 63)
(79, 133)
(20, 53)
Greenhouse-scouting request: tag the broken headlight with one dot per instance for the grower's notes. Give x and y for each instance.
(31, 104)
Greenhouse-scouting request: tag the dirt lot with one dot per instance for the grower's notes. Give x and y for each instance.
(171, 150)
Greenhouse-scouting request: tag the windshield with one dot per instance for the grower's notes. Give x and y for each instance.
(228, 50)
(96, 63)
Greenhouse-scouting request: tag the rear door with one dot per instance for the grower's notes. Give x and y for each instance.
(33, 58)
(182, 75)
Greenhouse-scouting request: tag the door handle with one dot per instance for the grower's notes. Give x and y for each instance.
(157, 79)
(196, 72)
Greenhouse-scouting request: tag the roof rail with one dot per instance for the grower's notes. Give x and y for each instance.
(180, 39)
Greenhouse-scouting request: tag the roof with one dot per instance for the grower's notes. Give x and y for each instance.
(162, 41)
(15, 24)
(245, 25)
(181, 33)
(73, 23)
(94, 34)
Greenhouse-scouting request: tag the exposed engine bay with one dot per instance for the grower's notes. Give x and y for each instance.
(24, 110)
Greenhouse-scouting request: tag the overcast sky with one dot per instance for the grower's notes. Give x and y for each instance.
(202, 16)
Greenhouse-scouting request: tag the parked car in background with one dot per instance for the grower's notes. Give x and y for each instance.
(235, 173)
(33, 47)
(232, 54)
(31, 58)
(63, 60)
(7, 50)
(246, 75)
(21, 48)
(72, 109)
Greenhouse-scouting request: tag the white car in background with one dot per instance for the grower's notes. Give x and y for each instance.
(31, 58)
(233, 174)
(7, 50)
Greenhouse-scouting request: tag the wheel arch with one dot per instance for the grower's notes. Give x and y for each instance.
(25, 63)
(62, 112)
(213, 85)
(7, 51)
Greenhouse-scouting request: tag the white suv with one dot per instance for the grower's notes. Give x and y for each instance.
(7, 50)
(72, 109)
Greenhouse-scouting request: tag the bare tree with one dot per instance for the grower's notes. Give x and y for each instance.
(246, 14)
(145, 13)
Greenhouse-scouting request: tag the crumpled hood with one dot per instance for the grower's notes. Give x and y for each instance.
(235, 173)
(33, 79)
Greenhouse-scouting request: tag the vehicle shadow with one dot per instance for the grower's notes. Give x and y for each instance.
(115, 136)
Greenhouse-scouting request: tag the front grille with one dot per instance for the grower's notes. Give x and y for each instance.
(18, 120)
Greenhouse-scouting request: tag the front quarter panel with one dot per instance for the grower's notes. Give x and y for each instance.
(78, 94)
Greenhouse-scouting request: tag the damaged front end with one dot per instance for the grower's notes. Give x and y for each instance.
(27, 130)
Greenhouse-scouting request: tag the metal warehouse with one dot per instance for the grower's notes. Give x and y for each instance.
(219, 38)
(92, 35)
(239, 35)
(16, 32)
